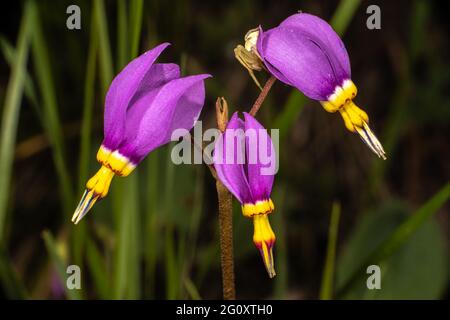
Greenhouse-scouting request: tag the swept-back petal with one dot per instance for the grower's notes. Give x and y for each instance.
(121, 92)
(320, 29)
(184, 95)
(261, 158)
(230, 167)
(261, 45)
(305, 52)
(158, 75)
(301, 62)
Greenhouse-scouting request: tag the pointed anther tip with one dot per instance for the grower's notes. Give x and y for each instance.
(87, 201)
(272, 274)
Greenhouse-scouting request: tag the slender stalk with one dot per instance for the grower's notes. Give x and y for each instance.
(262, 96)
(226, 241)
(225, 217)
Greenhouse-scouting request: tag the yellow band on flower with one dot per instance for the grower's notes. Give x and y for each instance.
(260, 207)
(113, 163)
(341, 96)
(118, 163)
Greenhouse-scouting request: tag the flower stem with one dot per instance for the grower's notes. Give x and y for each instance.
(225, 217)
(226, 241)
(262, 96)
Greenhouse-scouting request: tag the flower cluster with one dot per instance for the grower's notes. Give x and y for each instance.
(147, 101)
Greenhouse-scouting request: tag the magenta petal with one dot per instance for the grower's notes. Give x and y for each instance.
(261, 165)
(185, 95)
(319, 28)
(229, 170)
(261, 50)
(158, 75)
(306, 53)
(189, 106)
(120, 93)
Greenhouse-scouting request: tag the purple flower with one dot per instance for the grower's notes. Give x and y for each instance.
(145, 103)
(244, 162)
(306, 53)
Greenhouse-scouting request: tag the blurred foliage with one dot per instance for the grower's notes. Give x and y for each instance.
(155, 235)
(418, 270)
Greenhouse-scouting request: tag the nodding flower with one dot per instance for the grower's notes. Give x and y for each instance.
(241, 159)
(306, 53)
(144, 104)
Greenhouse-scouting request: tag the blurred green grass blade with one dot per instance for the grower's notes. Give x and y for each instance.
(11, 112)
(326, 290)
(98, 270)
(106, 66)
(343, 15)
(399, 236)
(406, 229)
(10, 54)
(188, 240)
(11, 285)
(196, 212)
(59, 264)
(136, 11)
(136, 238)
(52, 123)
(88, 106)
(172, 275)
(422, 258)
(191, 289)
(128, 275)
(80, 235)
(420, 17)
(151, 233)
(127, 272)
(122, 34)
(134, 248)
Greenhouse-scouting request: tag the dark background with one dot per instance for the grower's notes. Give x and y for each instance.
(402, 74)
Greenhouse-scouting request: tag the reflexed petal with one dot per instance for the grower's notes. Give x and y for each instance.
(261, 48)
(305, 52)
(302, 63)
(184, 95)
(319, 28)
(259, 179)
(120, 93)
(158, 75)
(231, 173)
